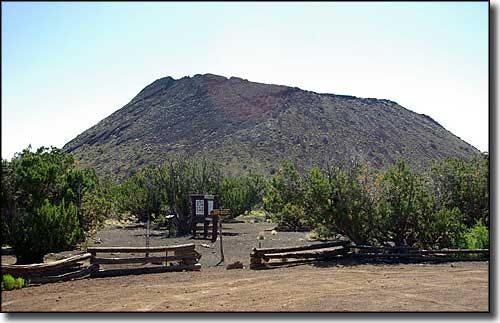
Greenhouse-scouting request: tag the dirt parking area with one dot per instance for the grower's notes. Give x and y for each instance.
(443, 287)
(326, 286)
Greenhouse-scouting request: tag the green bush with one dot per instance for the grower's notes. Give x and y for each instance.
(8, 282)
(285, 197)
(234, 195)
(321, 232)
(50, 228)
(46, 202)
(95, 208)
(161, 221)
(476, 237)
(465, 185)
(291, 218)
(241, 194)
(338, 203)
(403, 206)
(442, 228)
(20, 283)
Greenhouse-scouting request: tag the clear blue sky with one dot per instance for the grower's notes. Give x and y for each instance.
(66, 66)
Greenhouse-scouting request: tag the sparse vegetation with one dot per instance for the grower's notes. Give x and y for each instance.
(394, 206)
(10, 283)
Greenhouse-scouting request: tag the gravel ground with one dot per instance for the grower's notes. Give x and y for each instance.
(238, 240)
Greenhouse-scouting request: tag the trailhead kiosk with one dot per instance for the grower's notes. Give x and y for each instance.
(201, 206)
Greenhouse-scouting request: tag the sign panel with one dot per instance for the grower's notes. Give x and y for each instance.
(210, 206)
(200, 207)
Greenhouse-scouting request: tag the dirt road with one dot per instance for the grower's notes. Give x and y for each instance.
(415, 287)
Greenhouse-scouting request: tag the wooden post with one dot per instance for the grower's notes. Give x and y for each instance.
(220, 236)
(166, 255)
(147, 237)
(94, 267)
(205, 227)
(215, 219)
(255, 260)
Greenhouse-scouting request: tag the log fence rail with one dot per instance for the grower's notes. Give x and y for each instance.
(342, 249)
(185, 255)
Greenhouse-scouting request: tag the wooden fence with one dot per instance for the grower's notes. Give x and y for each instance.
(399, 254)
(264, 257)
(60, 270)
(183, 257)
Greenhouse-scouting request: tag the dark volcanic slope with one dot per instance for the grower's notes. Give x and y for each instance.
(252, 125)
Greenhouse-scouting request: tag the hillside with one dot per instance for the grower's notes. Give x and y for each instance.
(247, 125)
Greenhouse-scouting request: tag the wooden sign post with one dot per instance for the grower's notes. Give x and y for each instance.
(147, 235)
(218, 214)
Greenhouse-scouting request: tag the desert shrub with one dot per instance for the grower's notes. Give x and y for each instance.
(285, 196)
(7, 201)
(141, 194)
(291, 217)
(45, 200)
(166, 189)
(339, 203)
(50, 228)
(241, 194)
(8, 282)
(234, 195)
(20, 283)
(257, 186)
(161, 220)
(465, 185)
(321, 232)
(403, 205)
(28, 180)
(94, 210)
(442, 228)
(476, 237)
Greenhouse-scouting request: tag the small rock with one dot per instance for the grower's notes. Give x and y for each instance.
(204, 245)
(235, 265)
